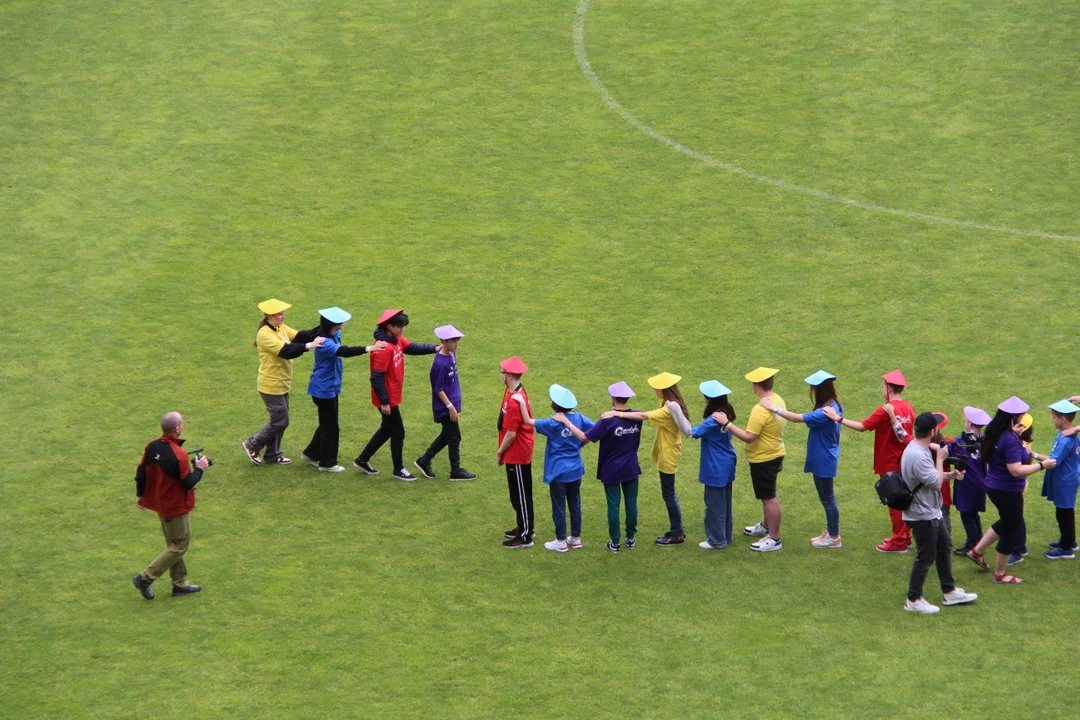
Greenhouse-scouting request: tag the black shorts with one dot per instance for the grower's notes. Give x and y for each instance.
(763, 476)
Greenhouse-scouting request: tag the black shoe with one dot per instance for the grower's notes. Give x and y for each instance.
(425, 468)
(364, 467)
(511, 533)
(181, 590)
(404, 474)
(961, 551)
(669, 539)
(631, 543)
(143, 587)
(460, 474)
(518, 542)
(614, 547)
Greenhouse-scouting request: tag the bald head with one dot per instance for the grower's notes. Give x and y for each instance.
(172, 423)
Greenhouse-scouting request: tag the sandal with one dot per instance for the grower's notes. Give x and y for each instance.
(1006, 579)
(977, 558)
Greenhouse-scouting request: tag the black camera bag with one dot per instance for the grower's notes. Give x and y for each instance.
(893, 491)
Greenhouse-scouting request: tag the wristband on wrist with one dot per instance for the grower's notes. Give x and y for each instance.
(449, 406)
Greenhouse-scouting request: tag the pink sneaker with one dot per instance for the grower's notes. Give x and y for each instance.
(827, 542)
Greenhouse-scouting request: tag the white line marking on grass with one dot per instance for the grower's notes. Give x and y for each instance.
(611, 102)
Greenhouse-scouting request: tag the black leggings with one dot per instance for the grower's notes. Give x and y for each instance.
(323, 447)
(392, 429)
(1066, 518)
(1010, 525)
(450, 438)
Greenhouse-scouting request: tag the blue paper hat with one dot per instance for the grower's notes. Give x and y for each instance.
(562, 397)
(335, 315)
(1064, 407)
(713, 389)
(819, 377)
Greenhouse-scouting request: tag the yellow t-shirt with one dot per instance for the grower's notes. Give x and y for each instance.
(667, 447)
(769, 428)
(275, 373)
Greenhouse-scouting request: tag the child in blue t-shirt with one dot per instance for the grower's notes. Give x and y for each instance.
(563, 467)
(822, 450)
(1061, 481)
(717, 468)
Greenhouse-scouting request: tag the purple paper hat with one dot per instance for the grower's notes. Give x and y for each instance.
(621, 390)
(975, 416)
(448, 332)
(1014, 406)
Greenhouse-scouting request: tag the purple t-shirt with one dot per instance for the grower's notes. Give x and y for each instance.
(444, 377)
(1008, 450)
(619, 439)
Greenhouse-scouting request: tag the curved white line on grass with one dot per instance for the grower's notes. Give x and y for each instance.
(609, 99)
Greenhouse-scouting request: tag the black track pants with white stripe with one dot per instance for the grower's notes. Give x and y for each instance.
(519, 482)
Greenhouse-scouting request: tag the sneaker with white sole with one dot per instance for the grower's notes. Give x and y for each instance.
(921, 606)
(336, 468)
(755, 530)
(364, 467)
(309, 461)
(556, 545)
(252, 455)
(631, 543)
(612, 547)
(404, 475)
(767, 544)
(827, 542)
(706, 545)
(574, 542)
(957, 596)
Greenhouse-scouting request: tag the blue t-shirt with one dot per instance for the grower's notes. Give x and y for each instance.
(325, 380)
(1060, 482)
(619, 439)
(444, 377)
(718, 459)
(823, 442)
(1008, 450)
(562, 456)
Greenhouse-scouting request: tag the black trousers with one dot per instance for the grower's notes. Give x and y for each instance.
(450, 438)
(1066, 518)
(392, 429)
(933, 546)
(1010, 525)
(519, 482)
(323, 447)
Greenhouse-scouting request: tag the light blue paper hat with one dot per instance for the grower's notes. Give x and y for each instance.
(1064, 407)
(819, 377)
(713, 389)
(335, 315)
(562, 397)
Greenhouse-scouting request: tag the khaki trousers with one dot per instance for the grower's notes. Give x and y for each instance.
(177, 531)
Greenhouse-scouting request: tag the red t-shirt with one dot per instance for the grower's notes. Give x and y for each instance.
(521, 450)
(887, 449)
(390, 361)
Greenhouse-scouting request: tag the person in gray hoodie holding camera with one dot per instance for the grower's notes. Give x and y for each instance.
(923, 468)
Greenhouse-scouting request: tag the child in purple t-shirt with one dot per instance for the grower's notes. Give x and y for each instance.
(445, 406)
(617, 465)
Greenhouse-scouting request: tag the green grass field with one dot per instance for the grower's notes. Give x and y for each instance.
(166, 166)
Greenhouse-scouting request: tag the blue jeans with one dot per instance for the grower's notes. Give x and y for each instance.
(563, 494)
(718, 522)
(828, 501)
(667, 490)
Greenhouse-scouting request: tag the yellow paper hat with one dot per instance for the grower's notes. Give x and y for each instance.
(273, 306)
(761, 374)
(1026, 421)
(664, 380)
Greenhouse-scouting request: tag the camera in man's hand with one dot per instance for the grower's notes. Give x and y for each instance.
(199, 456)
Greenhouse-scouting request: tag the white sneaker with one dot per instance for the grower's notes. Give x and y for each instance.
(336, 468)
(755, 530)
(767, 544)
(921, 606)
(706, 545)
(309, 461)
(556, 545)
(574, 542)
(827, 542)
(958, 597)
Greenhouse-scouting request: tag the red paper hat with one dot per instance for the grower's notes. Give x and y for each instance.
(514, 366)
(387, 314)
(944, 420)
(895, 378)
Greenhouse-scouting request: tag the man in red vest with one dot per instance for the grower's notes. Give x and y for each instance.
(165, 483)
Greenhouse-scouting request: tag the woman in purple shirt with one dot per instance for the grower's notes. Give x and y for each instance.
(617, 465)
(1007, 470)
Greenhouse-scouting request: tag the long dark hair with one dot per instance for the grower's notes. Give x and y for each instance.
(823, 394)
(720, 404)
(265, 321)
(1002, 423)
(672, 394)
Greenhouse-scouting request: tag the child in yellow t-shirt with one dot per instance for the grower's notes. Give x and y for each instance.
(667, 447)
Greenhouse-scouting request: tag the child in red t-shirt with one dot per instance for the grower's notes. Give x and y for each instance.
(515, 451)
(889, 446)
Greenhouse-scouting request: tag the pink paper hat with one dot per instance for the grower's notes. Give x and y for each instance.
(1014, 406)
(975, 416)
(448, 332)
(621, 390)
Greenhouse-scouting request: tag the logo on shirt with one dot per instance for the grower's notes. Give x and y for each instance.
(620, 431)
(566, 433)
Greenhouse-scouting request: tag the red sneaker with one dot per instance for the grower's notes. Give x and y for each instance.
(890, 547)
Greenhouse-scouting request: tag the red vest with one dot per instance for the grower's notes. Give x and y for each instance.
(157, 481)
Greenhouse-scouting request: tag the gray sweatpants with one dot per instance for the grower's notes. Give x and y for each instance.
(269, 435)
